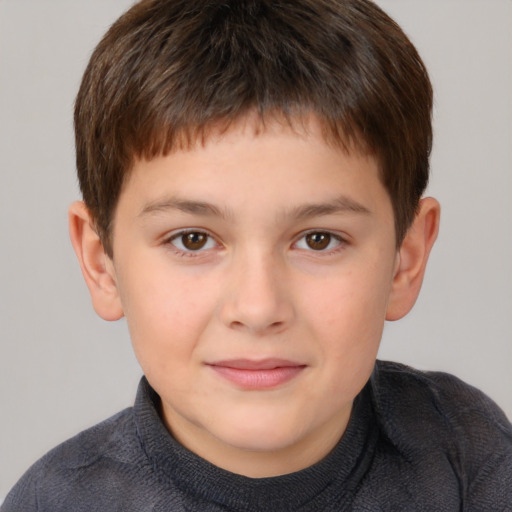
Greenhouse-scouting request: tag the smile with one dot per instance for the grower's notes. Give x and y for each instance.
(257, 375)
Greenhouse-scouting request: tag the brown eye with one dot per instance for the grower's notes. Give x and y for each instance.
(194, 241)
(323, 242)
(318, 241)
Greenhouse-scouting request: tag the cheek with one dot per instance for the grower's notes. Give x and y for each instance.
(348, 311)
(358, 295)
(349, 329)
(166, 314)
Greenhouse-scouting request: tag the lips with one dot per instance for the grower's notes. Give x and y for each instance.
(257, 374)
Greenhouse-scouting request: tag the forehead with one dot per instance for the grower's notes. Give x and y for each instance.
(219, 137)
(290, 161)
(268, 152)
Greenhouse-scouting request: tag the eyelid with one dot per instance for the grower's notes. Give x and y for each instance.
(340, 238)
(343, 240)
(171, 237)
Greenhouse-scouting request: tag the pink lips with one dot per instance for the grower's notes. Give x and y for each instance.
(263, 374)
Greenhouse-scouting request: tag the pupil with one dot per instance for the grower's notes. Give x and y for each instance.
(194, 241)
(318, 241)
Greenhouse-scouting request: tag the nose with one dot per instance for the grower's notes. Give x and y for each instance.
(258, 298)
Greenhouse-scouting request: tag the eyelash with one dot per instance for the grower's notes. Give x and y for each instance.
(340, 242)
(189, 252)
(183, 252)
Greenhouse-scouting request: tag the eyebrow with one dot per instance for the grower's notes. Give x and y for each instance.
(342, 204)
(184, 205)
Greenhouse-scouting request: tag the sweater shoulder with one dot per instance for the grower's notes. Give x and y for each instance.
(111, 442)
(435, 394)
(109, 439)
(435, 411)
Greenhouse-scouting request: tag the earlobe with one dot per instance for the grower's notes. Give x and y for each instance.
(412, 259)
(97, 267)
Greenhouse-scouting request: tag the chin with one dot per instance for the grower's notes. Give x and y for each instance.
(258, 436)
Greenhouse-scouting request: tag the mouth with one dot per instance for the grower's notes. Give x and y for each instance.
(257, 374)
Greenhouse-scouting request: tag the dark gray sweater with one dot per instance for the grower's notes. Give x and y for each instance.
(415, 442)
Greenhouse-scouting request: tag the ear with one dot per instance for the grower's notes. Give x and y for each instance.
(97, 267)
(412, 259)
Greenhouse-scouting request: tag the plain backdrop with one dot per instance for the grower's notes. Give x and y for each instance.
(62, 369)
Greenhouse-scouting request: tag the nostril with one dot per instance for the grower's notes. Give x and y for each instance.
(274, 326)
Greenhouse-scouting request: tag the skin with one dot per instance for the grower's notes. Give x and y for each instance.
(293, 258)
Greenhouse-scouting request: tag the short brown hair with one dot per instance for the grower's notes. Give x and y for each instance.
(167, 70)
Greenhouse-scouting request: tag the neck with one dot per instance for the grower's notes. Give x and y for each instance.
(259, 463)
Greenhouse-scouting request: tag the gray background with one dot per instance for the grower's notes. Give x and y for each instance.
(63, 369)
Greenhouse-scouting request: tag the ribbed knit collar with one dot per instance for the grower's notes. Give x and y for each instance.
(332, 480)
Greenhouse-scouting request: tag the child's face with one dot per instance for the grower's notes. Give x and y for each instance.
(254, 273)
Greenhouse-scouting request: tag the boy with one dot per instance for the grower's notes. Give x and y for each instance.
(252, 175)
